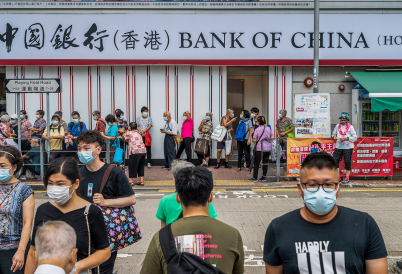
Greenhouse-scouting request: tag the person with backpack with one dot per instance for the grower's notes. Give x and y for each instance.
(56, 138)
(64, 125)
(74, 129)
(243, 139)
(218, 247)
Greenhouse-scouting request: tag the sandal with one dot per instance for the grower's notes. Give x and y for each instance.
(131, 182)
(139, 183)
(238, 169)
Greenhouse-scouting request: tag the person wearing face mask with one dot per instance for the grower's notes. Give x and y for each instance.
(321, 235)
(74, 129)
(144, 125)
(32, 158)
(170, 130)
(26, 127)
(206, 128)
(40, 124)
(17, 206)
(55, 137)
(100, 122)
(345, 135)
(111, 134)
(284, 125)
(117, 193)
(122, 125)
(62, 180)
(4, 130)
(244, 134)
(137, 152)
(64, 125)
(226, 121)
(55, 250)
(187, 135)
(14, 127)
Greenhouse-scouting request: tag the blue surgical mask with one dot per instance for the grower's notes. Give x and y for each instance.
(32, 145)
(55, 123)
(12, 121)
(241, 116)
(207, 118)
(21, 116)
(86, 157)
(109, 124)
(122, 117)
(165, 119)
(280, 116)
(320, 202)
(94, 118)
(5, 175)
(232, 116)
(76, 121)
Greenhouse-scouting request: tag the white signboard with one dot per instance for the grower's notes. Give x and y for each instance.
(32, 85)
(312, 115)
(224, 39)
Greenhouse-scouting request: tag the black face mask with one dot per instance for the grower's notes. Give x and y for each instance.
(343, 122)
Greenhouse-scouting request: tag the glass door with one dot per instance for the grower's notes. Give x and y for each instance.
(390, 125)
(370, 121)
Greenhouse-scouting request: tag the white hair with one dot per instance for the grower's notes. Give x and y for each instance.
(55, 240)
(178, 165)
(284, 112)
(5, 118)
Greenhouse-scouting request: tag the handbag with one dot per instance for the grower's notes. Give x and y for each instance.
(228, 144)
(148, 140)
(177, 138)
(88, 271)
(121, 224)
(118, 155)
(219, 133)
(201, 146)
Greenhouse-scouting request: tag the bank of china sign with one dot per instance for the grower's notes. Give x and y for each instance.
(221, 39)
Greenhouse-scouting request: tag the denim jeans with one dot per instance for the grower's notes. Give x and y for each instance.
(6, 261)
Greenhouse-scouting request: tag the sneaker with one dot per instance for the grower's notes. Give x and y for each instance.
(165, 167)
(345, 181)
(262, 179)
(252, 180)
(169, 169)
(204, 163)
(149, 165)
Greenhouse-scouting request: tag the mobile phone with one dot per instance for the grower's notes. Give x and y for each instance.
(161, 129)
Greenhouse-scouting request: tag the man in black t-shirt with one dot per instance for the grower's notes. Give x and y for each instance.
(322, 237)
(117, 191)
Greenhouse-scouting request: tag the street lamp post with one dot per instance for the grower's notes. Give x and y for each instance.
(316, 44)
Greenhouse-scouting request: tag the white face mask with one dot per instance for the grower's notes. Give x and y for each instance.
(145, 114)
(252, 115)
(184, 118)
(37, 116)
(59, 194)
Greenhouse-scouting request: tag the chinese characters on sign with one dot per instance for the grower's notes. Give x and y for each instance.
(372, 156)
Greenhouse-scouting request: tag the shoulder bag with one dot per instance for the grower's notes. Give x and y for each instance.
(118, 155)
(219, 133)
(290, 134)
(177, 138)
(88, 271)
(201, 146)
(121, 224)
(255, 151)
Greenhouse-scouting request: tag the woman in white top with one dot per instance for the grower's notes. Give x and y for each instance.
(144, 125)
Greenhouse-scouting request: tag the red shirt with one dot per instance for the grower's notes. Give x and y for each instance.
(101, 126)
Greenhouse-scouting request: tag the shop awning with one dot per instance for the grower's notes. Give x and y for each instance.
(385, 88)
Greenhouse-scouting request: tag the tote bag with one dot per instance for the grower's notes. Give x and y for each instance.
(118, 155)
(228, 144)
(219, 133)
(201, 146)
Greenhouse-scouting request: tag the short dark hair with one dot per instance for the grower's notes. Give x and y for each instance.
(41, 112)
(56, 117)
(261, 120)
(90, 137)
(144, 108)
(119, 113)
(319, 160)
(256, 110)
(116, 110)
(194, 185)
(110, 119)
(66, 166)
(13, 155)
(133, 125)
(246, 113)
(59, 113)
(75, 113)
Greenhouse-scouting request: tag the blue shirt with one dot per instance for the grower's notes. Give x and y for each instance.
(76, 130)
(113, 131)
(34, 155)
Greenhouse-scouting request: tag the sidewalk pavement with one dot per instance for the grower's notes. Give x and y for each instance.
(156, 177)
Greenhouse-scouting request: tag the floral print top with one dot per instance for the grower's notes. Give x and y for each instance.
(135, 143)
(40, 124)
(25, 128)
(345, 144)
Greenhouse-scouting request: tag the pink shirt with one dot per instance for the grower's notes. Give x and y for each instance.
(135, 143)
(187, 129)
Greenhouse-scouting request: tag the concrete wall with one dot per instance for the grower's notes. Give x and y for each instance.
(329, 78)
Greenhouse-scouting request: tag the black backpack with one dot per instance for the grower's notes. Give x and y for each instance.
(183, 262)
(81, 126)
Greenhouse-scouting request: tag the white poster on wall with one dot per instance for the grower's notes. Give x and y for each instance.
(312, 115)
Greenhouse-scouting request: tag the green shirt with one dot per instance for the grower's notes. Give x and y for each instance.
(169, 209)
(222, 245)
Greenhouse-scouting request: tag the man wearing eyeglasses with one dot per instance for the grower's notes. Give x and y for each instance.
(322, 237)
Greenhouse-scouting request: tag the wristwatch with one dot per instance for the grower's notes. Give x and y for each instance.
(347, 138)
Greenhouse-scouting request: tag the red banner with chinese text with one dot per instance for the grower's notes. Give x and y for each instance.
(372, 156)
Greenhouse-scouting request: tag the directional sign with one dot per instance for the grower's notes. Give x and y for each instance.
(33, 85)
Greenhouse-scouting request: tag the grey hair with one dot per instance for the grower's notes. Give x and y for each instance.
(96, 112)
(35, 139)
(210, 113)
(284, 112)
(5, 118)
(228, 110)
(55, 240)
(178, 165)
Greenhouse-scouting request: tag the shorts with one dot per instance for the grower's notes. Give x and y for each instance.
(220, 145)
(347, 156)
